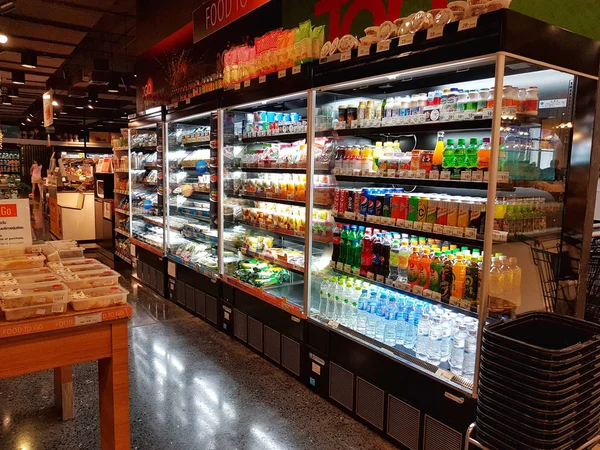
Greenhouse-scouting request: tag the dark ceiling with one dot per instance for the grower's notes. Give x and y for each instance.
(71, 38)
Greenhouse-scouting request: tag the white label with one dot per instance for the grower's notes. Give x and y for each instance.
(132, 250)
(427, 293)
(356, 271)
(339, 125)
(499, 236)
(470, 233)
(262, 79)
(437, 228)
(417, 226)
(226, 315)
(434, 175)
(454, 301)
(448, 230)
(380, 279)
(477, 175)
(465, 175)
(409, 224)
(370, 275)
(316, 368)
(401, 223)
(391, 173)
(421, 173)
(418, 290)
(445, 175)
(444, 374)
(16, 223)
(435, 32)
(554, 103)
(296, 70)
(346, 56)
(363, 50)
(436, 296)
(247, 83)
(339, 265)
(467, 24)
(486, 176)
(347, 268)
(458, 231)
(389, 282)
(172, 269)
(402, 173)
(40, 312)
(88, 319)
(282, 73)
(333, 324)
(428, 227)
(58, 308)
(406, 39)
(237, 87)
(406, 287)
(503, 177)
(383, 46)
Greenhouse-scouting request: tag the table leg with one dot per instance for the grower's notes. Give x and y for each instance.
(113, 374)
(63, 391)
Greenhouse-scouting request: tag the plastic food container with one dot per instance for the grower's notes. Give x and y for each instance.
(91, 279)
(67, 242)
(80, 268)
(65, 252)
(33, 294)
(24, 272)
(28, 312)
(36, 278)
(21, 262)
(98, 297)
(20, 250)
(72, 262)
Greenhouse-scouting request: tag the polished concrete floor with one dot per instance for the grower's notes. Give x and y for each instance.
(191, 387)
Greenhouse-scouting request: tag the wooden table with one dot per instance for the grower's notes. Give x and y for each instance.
(58, 342)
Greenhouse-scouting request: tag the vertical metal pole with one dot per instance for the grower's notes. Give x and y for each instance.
(490, 209)
(310, 170)
(165, 181)
(220, 193)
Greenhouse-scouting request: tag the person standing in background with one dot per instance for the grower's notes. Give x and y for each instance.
(36, 178)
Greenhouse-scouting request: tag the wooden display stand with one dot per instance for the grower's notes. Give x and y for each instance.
(58, 342)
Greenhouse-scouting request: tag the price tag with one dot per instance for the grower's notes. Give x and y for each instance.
(437, 228)
(282, 73)
(421, 173)
(428, 227)
(364, 50)
(296, 70)
(398, 284)
(434, 175)
(427, 293)
(406, 39)
(339, 125)
(383, 46)
(334, 324)
(408, 224)
(347, 268)
(442, 373)
(58, 307)
(389, 282)
(370, 275)
(467, 24)
(262, 79)
(465, 175)
(445, 175)
(455, 301)
(332, 264)
(417, 226)
(448, 230)
(465, 304)
(435, 32)
(458, 231)
(339, 266)
(503, 177)
(417, 290)
(406, 287)
(499, 236)
(400, 223)
(391, 173)
(402, 173)
(356, 271)
(411, 174)
(470, 233)
(380, 279)
(477, 175)
(436, 296)
(247, 83)
(237, 87)
(345, 56)
(486, 176)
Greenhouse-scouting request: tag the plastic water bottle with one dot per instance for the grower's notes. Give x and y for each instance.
(400, 323)
(458, 349)
(410, 333)
(323, 292)
(435, 342)
(371, 319)
(339, 300)
(389, 331)
(468, 369)
(356, 293)
(422, 337)
(362, 311)
(347, 304)
(446, 337)
(379, 321)
(331, 298)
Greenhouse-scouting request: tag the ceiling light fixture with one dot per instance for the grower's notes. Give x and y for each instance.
(113, 87)
(18, 77)
(12, 91)
(90, 107)
(23, 123)
(54, 103)
(28, 119)
(29, 60)
(6, 100)
(7, 7)
(63, 112)
(3, 39)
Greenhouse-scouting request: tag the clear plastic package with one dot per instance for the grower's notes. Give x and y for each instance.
(21, 262)
(72, 262)
(67, 252)
(66, 242)
(91, 279)
(24, 272)
(20, 250)
(98, 297)
(29, 312)
(19, 296)
(79, 268)
(36, 278)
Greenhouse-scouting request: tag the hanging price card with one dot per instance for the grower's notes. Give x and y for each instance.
(467, 24)
(477, 175)
(247, 83)
(406, 39)
(262, 79)
(296, 70)
(445, 175)
(364, 50)
(380, 279)
(282, 73)
(471, 233)
(383, 46)
(345, 56)
(465, 175)
(435, 32)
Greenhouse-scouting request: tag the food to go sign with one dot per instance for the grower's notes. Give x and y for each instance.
(15, 223)
(215, 14)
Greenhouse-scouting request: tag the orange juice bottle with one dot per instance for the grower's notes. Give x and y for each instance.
(438, 152)
(413, 267)
(459, 276)
(291, 190)
(301, 190)
(424, 264)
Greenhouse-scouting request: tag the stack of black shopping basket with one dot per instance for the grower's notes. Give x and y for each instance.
(540, 383)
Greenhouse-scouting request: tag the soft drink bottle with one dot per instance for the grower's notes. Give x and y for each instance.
(366, 254)
(471, 154)
(384, 265)
(448, 159)
(472, 279)
(438, 153)
(446, 281)
(394, 259)
(403, 256)
(337, 232)
(460, 158)
(377, 251)
(459, 275)
(424, 267)
(352, 237)
(344, 244)
(413, 267)
(483, 154)
(435, 272)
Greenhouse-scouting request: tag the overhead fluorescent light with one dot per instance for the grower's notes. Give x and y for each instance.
(54, 103)
(7, 7)
(18, 77)
(3, 39)
(6, 100)
(12, 91)
(28, 119)
(113, 87)
(29, 60)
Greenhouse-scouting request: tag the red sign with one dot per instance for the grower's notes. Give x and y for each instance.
(9, 210)
(215, 14)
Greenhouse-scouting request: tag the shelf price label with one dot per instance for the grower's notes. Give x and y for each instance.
(370, 275)
(455, 301)
(383, 46)
(417, 226)
(247, 83)
(406, 39)
(471, 233)
(389, 282)
(282, 73)
(333, 324)
(345, 56)
(380, 279)
(364, 50)
(435, 32)
(436, 296)
(356, 271)
(465, 175)
(439, 229)
(262, 79)
(296, 70)
(445, 175)
(467, 24)
(339, 266)
(427, 293)
(499, 236)
(434, 175)
(347, 268)
(503, 177)
(418, 290)
(477, 175)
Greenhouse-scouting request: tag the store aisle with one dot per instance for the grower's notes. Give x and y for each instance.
(192, 387)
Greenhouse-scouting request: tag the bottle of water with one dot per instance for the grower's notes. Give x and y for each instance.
(389, 331)
(362, 313)
(458, 349)
(339, 300)
(422, 337)
(446, 337)
(410, 333)
(347, 304)
(400, 323)
(352, 320)
(324, 290)
(468, 369)
(435, 342)
(379, 321)
(371, 319)
(331, 298)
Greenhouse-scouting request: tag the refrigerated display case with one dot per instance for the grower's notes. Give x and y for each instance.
(122, 199)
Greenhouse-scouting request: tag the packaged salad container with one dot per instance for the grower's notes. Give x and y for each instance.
(19, 296)
(29, 312)
(98, 297)
(90, 279)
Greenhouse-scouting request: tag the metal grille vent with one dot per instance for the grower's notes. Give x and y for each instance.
(200, 302)
(142, 271)
(290, 355)
(370, 402)
(404, 423)
(180, 292)
(160, 281)
(138, 269)
(239, 325)
(255, 334)
(341, 386)
(189, 297)
(211, 309)
(438, 436)
(151, 276)
(272, 344)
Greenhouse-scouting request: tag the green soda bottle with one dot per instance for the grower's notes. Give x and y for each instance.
(435, 272)
(460, 158)
(471, 154)
(448, 160)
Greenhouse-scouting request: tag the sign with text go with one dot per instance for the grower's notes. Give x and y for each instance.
(15, 223)
(215, 14)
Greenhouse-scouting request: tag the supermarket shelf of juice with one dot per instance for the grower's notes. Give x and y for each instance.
(146, 246)
(473, 243)
(414, 182)
(421, 128)
(210, 273)
(405, 288)
(277, 200)
(271, 259)
(291, 234)
(290, 303)
(123, 232)
(284, 137)
(122, 211)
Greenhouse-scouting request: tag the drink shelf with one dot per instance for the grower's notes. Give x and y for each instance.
(290, 137)
(421, 128)
(291, 234)
(150, 167)
(123, 232)
(122, 211)
(146, 246)
(415, 182)
(271, 259)
(123, 257)
(196, 144)
(301, 170)
(277, 200)
(476, 243)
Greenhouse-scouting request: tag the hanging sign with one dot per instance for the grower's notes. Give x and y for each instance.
(48, 97)
(215, 14)
(15, 223)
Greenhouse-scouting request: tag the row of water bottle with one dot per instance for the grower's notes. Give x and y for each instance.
(436, 334)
